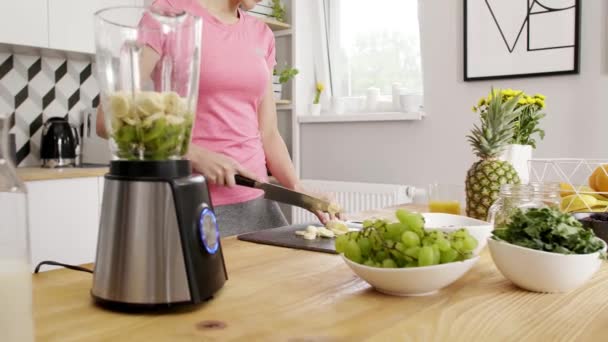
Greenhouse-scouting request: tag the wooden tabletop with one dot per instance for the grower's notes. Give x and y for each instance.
(28, 174)
(279, 294)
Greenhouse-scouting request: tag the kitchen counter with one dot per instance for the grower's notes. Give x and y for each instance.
(28, 174)
(279, 294)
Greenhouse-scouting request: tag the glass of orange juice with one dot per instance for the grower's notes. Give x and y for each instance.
(446, 198)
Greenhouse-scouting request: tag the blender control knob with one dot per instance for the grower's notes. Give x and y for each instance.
(209, 231)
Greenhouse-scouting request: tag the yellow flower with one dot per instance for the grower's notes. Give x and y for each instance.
(509, 92)
(540, 102)
(320, 87)
(482, 101)
(522, 101)
(540, 96)
(474, 109)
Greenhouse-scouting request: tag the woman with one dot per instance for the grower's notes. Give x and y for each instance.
(236, 124)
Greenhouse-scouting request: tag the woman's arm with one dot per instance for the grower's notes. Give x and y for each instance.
(277, 156)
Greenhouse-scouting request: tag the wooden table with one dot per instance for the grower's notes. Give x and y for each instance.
(278, 294)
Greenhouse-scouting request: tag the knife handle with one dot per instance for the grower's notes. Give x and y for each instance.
(245, 181)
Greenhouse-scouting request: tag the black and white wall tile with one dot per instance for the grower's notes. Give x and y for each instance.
(34, 88)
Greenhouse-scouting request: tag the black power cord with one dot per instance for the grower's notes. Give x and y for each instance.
(55, 263)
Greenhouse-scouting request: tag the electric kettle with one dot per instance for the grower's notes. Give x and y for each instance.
(58, 143)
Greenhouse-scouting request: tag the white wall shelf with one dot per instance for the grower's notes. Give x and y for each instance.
(388, 116)
(275, 25)
(283, 33)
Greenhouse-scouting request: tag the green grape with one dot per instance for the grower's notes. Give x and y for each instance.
(365, 245)
(379, 224)
(414, 221)
(389, 263)
(381, 255)
(353, 252)
(410, 239)
(448, 255)
(443, 245)
(458, 245)
(426, 256)
(413, 252)
(341, 241)
(400, 247)
(469, 244)
(394, 231)
(412, 263)
(368, 223)
(436, 254)
(369, 262)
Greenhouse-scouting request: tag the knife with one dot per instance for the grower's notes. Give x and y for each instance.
(284, 195)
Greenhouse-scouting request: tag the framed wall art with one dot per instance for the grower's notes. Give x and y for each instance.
(520, 38)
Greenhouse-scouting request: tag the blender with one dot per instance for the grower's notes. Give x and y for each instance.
(158, 242)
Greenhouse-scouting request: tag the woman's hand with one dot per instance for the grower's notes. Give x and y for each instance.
(322, 216)
(217, 168)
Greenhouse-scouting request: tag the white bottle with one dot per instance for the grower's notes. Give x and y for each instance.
(373, 95)
(16, 317)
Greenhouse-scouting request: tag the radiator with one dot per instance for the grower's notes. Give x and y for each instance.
(355, 197)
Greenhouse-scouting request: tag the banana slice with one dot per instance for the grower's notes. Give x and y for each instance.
(174, 104)
(325, 233)
(131, 121)
(338, 227)
(175, 120)
(334, 208)
(150, 119)
(148, 103)
(120, 105)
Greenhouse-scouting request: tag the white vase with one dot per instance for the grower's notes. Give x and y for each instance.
(519, 156)
(315, 109)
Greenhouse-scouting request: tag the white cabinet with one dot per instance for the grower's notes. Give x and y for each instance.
(71, 25)
(64, 220)
(24, 22)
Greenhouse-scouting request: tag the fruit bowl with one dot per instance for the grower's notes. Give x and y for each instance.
(480, 230)
(598, 222)
(412, 281)
(541, 271)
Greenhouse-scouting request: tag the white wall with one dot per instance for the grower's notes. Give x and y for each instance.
(435, 149)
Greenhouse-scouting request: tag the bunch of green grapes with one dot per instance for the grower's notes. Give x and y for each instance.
(404, 243)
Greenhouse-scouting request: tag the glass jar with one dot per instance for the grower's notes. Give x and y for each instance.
(522, 196)
(16, 317)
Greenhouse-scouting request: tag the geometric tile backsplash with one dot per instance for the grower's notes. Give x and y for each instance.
(34, 88)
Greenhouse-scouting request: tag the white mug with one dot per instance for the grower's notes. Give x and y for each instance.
(337, 105)
(410, 102)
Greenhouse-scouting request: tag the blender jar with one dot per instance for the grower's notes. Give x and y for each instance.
(148, 64)
(16, 317)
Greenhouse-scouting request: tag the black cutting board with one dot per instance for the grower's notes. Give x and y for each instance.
(286, 237)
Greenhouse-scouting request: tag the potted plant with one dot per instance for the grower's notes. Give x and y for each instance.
(315, 108)
(278, 10)
(525, 130)
(280, 78)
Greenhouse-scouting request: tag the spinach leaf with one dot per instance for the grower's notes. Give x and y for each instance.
(548, 230)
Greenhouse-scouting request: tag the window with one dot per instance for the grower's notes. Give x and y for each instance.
(373, 44)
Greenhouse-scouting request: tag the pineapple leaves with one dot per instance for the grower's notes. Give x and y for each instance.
(498, 124)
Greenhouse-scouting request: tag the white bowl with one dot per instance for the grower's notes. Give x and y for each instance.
(480, 230)
(413, 281)
(541, 271)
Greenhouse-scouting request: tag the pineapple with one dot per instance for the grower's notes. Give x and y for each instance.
(486, 176)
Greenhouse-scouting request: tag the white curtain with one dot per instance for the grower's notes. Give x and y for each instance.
(320, 46)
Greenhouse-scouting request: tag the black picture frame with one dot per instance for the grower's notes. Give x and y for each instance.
(577, 48)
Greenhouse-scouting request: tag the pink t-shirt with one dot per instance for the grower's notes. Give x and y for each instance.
(235, 68)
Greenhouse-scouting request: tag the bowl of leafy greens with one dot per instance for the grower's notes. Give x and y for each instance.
(545, 250)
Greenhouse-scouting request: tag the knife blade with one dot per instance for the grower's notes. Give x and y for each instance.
(280, 194)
